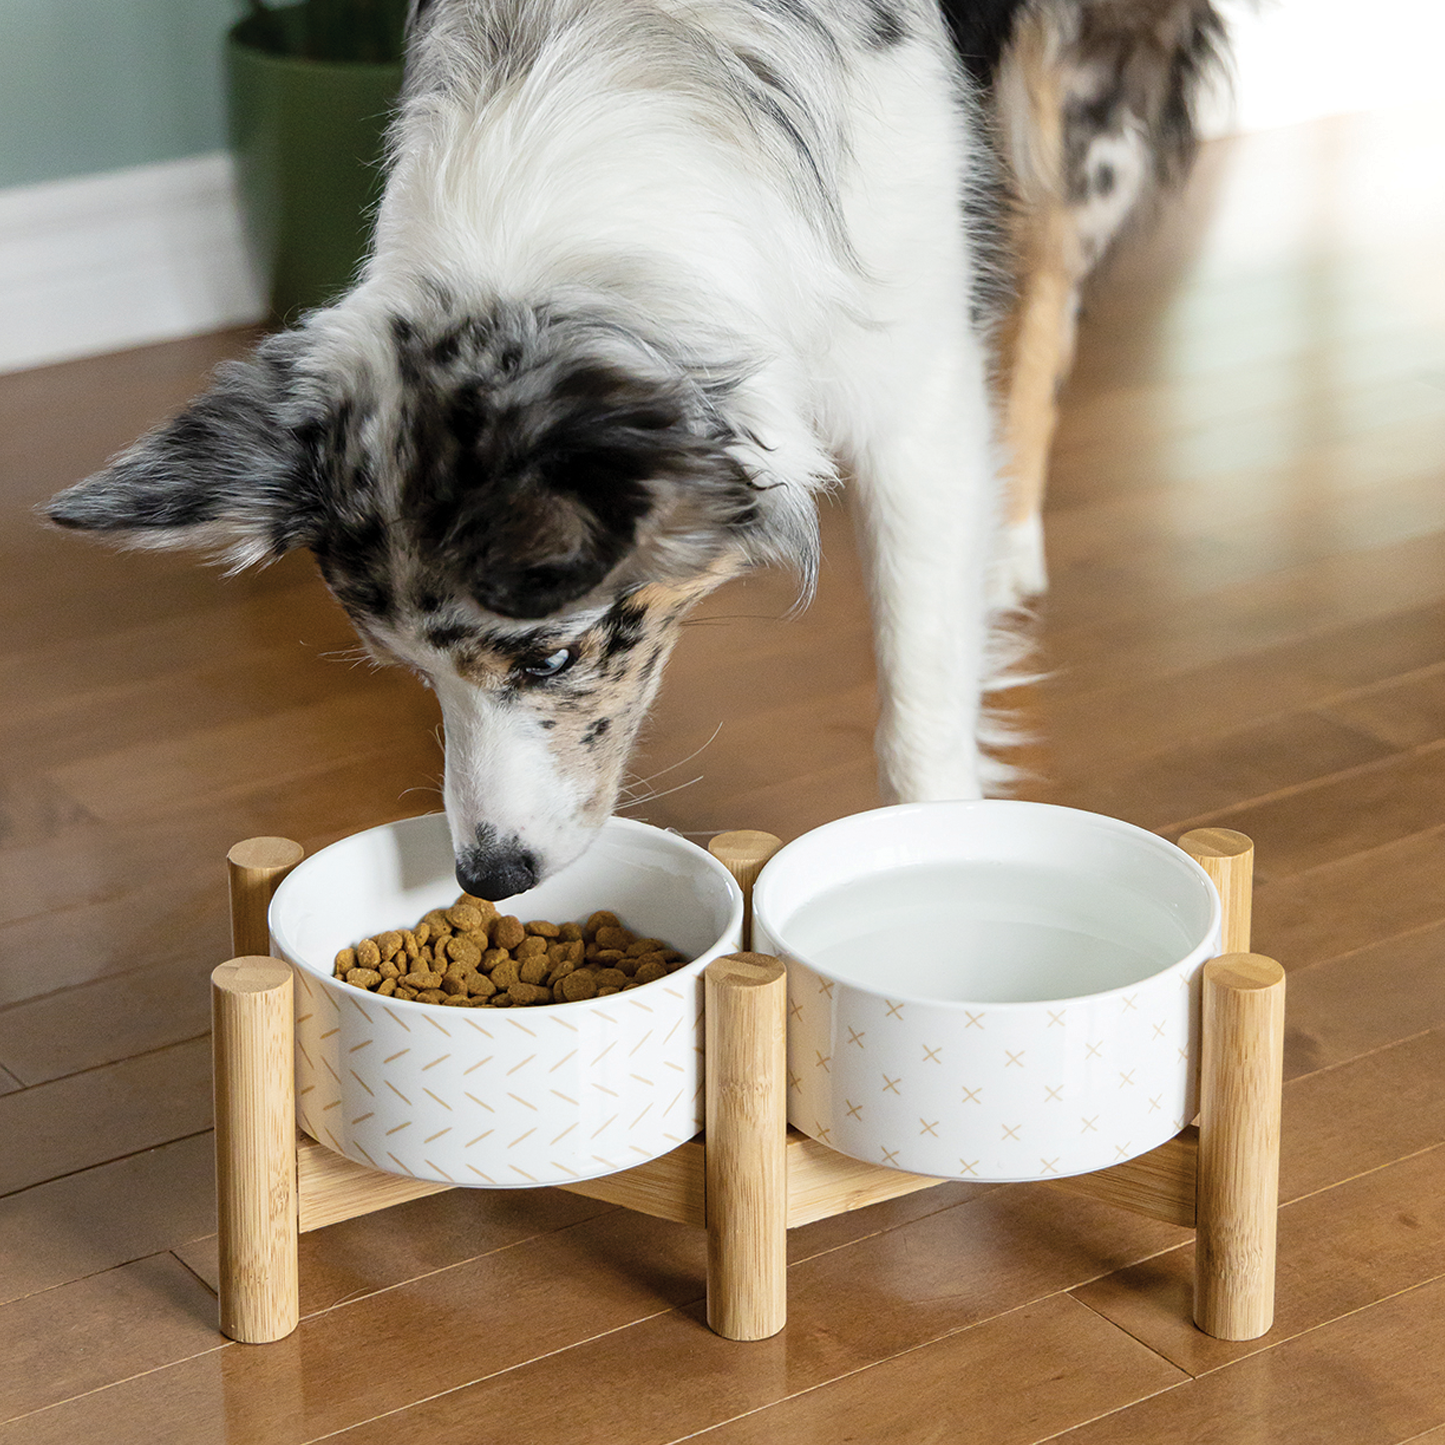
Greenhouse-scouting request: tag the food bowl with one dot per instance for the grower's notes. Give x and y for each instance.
(489, 1097)
(989, 990)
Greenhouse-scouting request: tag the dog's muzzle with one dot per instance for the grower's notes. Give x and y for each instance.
(494, 867)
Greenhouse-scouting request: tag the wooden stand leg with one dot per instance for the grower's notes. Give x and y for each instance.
(1228, 858)
(255, 867)
(743, 854)
(1241, 1073)
(253, 1037)
(746, 1160)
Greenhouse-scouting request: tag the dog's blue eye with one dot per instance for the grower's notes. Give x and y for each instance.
(551, 666)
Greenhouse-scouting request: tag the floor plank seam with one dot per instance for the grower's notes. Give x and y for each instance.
(695, 1305)
(1374, 765)
(119, 976)
(370, 1294)
(239, 791)
(847, 1375)
(1182, 747)
(101, 1163)
(875, 1364)
(1325, 1324)
(141, 888)
(1280, 1339)
(494, 1375)
(1425, 1434)
(1235, 495)
(76, 905)
(878, 1233)
(150, 638)
(1125, 1330)
(112, 1063)
(1417, 930)
(1118, 1410)
(1361, 854)
(1165, 676)
(204, 1283)
(1338, 1064)
(1275, 1344)
(1422, 673)
(109, 1269)
(1089, 452)
(221, 1344)
(1363, 1174)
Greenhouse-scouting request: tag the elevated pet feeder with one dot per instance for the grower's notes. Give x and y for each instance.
(747, 1177)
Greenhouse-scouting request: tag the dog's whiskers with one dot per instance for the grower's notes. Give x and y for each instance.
(643, 782)
(352, 656)
(663, 793)
(434, 786)
(715, 618)
(634, 794)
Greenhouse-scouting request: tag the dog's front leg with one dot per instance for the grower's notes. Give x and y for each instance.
(925, 498)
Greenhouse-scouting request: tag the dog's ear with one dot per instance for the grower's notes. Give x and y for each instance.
(548, 495)
(233, 473)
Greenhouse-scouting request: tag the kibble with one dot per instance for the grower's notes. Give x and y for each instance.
(470, 956)
(534, 969)
(506, 931)
(575, 986)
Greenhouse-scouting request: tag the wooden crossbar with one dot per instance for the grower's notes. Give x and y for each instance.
(821, 1183)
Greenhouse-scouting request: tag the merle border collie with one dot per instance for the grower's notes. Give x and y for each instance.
(648, 276)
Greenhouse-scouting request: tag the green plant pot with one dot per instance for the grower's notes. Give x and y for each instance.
(308, 139)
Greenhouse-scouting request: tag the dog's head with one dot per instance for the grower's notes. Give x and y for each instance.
(519, 505)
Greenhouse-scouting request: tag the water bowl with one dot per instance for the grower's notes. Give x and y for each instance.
(989, 990)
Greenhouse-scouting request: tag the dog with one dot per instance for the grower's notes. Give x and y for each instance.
(647, 278)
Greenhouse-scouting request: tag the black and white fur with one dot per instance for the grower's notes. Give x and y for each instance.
(648, 275)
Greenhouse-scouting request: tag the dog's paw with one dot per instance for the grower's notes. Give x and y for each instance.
(1020, 572)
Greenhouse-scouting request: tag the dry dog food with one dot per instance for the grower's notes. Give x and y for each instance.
(471, 956)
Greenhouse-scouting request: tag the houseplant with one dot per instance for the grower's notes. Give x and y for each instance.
(311, 87)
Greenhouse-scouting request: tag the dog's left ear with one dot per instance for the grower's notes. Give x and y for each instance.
(234, 473)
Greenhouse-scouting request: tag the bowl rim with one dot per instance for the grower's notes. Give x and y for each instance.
(1206, 949)
(692, 967)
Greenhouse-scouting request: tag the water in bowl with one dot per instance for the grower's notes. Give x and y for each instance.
(986, 933)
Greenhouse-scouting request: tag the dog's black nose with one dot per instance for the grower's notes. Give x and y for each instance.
(495, 868)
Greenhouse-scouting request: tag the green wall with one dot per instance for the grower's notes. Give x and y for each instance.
(94, 85)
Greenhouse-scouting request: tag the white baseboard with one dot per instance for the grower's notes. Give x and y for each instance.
(122, 259)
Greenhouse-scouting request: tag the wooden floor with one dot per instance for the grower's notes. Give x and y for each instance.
(1247, 626)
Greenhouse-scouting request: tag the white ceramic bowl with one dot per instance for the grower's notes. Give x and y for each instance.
(501, 1098)
(989, 990)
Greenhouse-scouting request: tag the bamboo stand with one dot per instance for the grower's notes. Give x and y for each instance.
(749, 1179)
